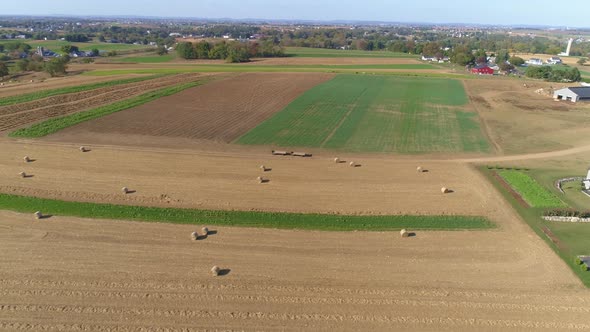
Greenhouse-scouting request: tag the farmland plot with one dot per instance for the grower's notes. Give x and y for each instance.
(376, 114)
(220, 111)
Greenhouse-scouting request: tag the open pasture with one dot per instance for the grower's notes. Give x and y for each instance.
(219, 111)
(376, 114)
(55, 45)
(307, 52)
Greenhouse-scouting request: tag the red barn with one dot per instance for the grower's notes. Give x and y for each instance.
(482, 70)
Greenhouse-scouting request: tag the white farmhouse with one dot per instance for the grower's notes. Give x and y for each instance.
(534, 62)
(554, 60)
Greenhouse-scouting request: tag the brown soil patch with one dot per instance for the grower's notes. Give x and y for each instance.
(17, 115)
(220, 111)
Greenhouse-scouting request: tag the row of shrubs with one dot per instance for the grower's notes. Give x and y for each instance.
(566, 213)
(583, 266)
(507, 168)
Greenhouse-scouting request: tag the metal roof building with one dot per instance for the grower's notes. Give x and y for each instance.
(573, 94)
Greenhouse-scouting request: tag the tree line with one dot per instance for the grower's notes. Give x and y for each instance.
(232, 51)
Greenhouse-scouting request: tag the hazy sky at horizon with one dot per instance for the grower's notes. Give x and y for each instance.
(540, 12)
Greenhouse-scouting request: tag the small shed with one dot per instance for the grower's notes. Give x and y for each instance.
(573, 94)
(482, 70)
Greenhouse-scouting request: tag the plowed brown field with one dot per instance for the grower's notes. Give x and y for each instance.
(220, 111)
(14, 116)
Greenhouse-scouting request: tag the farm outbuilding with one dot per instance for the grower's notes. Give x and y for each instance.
(573, 94)
(482, 70)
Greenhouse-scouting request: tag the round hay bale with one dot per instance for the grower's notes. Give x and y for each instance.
(404, 233)
(336, 160)
(125, 190)
(215, 271)
(419, 169)
(83, 148)
(26, 159)
(260, 179)
(444, 190)
(194, 236)
(352, 164)
(22, 174)
(38, 215)
(205, 231)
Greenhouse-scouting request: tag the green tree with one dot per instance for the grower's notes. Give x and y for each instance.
(203, 48)
(502, 56)
(462, 56)
(67, 49)
(161, 50)
(57, 66)
(516, 61)
(95, 52)
(3, 70)
(186, 50)
(431, 49)
(219, 51)
(237, 52)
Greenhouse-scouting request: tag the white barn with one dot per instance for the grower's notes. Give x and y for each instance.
(573, 94)
(586, 181)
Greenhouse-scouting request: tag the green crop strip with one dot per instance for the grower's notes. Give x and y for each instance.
(325, 222)
(531, 191)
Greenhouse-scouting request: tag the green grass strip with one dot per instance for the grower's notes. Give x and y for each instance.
(56, 124)
(73, 89)
(531, 191)
(324, 222)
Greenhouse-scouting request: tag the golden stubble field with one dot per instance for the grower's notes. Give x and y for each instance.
(76, 274)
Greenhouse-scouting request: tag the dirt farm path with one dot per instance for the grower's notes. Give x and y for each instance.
(74, 274)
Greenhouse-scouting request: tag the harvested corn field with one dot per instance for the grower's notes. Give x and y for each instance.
(221, 111)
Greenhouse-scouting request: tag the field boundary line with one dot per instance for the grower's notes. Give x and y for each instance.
(487, 131)
(329, 137)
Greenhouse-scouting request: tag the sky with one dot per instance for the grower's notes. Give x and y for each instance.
(501, 12)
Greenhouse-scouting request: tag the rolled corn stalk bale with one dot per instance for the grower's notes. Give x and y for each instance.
(83, 148)
(205, 231)
(125, 190)
(336, 160)
(22, 174)
(260, 179)
(194, 236)
(419, 169)
(444, 190)
(352, 164)
(404, 233)
(215, 271)
(27, 159)
(263, 168)
(38, 215)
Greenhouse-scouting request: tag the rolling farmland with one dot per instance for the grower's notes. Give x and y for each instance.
(376, 114)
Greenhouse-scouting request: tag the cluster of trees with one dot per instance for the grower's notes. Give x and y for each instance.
(54, 67)
(554, 73)
(233, 51)
(76, 38)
